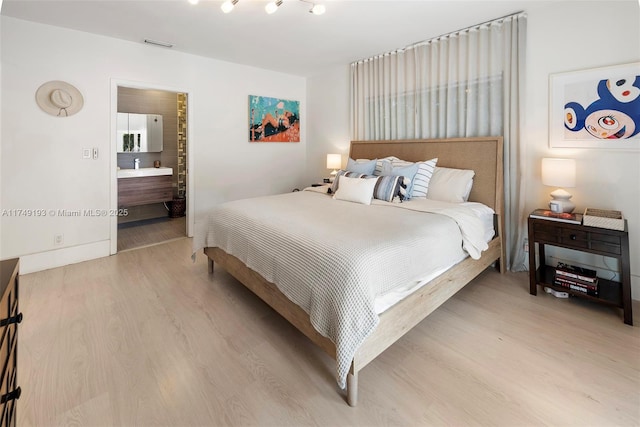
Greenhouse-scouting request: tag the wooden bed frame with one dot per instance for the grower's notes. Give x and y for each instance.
(484, 156)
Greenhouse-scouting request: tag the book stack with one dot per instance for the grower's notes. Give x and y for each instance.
(579, 279)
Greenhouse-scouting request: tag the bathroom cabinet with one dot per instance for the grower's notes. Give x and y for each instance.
(144, 190)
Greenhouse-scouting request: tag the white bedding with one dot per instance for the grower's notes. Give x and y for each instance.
(333, 258)
(387, 300)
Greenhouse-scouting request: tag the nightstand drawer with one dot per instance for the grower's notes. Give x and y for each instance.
(606, 242)
(546, 232)
(577, 237)
(573, 238)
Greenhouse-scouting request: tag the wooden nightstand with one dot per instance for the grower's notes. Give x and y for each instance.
(601, 241)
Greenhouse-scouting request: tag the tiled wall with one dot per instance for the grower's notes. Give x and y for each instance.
(182, 145)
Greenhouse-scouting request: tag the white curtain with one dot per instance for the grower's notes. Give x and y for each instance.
(464, 84)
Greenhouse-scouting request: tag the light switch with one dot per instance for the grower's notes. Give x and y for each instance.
(86, 153)
(95, 153)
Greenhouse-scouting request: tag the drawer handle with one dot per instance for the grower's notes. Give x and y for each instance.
(573, 237)
(10, 320)
(15, 394)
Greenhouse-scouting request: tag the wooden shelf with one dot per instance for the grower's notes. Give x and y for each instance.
(609, 292)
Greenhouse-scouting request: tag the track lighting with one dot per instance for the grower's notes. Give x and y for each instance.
(317, 9)
(228, 5)
(272, 6)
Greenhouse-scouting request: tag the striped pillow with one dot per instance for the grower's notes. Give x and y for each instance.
(422, 178)
(384, 164)
(336, 180)
(390, 188)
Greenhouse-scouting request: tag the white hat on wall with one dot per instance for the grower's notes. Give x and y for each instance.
(59, 98)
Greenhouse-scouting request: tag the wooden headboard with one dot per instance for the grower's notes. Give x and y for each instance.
(483, 155)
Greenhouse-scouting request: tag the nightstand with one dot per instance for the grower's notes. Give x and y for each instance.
(10, 317)
(600, 241)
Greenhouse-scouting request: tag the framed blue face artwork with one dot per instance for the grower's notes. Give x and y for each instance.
(596, 108)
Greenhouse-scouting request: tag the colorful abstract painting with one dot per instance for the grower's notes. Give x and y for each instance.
(598, 108)
(273, 119)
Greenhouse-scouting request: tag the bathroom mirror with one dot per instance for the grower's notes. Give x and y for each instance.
(139, 133)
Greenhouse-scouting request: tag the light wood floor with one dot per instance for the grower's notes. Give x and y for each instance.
(150, 232)
(147, 337)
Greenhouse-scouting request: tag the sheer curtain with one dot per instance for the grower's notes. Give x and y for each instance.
(464, 84)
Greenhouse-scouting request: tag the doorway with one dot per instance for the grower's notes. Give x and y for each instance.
(148, 220)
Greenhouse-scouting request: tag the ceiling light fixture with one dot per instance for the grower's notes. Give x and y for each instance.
(194, 1)
(272, 6)
(316, 9)
(158, 43)
(228, 5)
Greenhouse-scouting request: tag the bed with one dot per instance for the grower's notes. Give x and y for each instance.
(482, 155)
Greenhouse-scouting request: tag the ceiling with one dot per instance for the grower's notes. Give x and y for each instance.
(291, 40)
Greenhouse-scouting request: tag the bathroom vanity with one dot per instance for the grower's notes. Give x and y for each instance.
(144, 186)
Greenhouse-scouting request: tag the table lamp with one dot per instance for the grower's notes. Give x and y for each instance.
(334, 161)
(560, 173)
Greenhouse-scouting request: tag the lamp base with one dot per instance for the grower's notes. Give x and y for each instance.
(560, 202)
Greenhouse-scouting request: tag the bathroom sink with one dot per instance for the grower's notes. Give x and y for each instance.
(138, 173)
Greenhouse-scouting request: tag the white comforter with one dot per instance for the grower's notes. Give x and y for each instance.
(333, 257)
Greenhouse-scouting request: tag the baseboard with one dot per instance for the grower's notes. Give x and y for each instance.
(65, 256)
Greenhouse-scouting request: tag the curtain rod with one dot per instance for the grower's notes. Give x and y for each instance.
(420, 43)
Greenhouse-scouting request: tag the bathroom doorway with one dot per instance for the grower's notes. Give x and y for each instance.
(154, 179)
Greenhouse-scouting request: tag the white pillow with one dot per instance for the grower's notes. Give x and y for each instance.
(450, 185)
(358, 190)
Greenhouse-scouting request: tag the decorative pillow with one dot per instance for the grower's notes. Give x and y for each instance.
(382, 164)
(450, 185)
(366, 167)
(420, 185)
(336, 180)
(408, 172)
(356, 190)
(390, 188)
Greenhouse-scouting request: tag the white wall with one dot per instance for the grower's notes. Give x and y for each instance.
(562, 36)
(328, 102)
(42, 166)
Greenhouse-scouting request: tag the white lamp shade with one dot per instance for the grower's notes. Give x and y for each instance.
(334, 161)
(559, 172)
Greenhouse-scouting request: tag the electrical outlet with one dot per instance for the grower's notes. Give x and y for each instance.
(526, 244)
(58, 239)
(95, 153)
